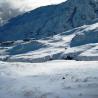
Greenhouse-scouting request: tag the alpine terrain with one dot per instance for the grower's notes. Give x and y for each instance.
(51, 52)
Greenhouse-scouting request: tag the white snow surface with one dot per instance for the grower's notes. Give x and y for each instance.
(55, 79)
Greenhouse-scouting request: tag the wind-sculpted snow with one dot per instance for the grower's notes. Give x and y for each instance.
(50, 20)
(76, 44)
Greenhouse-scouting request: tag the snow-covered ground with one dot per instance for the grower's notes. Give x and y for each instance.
(80, 44)
(54, 79)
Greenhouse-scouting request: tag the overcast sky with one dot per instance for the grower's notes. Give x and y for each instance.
(30, 4)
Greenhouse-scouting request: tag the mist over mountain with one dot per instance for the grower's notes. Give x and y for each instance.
(12, 8)
(7, 12)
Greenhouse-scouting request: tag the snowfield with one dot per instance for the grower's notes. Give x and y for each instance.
(50, 20)
(77, 44)
(54, 79)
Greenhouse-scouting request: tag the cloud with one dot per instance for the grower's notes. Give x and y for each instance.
(7, 11)
(30, 4)
(12, 8)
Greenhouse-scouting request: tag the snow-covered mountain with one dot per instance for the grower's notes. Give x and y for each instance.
(45, 26)
(50, 20)
(77, 44)
(55, 45)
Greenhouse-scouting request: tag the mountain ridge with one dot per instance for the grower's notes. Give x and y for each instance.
(50, 20)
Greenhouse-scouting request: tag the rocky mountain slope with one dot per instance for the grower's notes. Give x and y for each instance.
(77, 44)
(50, 20)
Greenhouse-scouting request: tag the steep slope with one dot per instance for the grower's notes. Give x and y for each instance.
(86, 36)
(77, 44)
(50, 20)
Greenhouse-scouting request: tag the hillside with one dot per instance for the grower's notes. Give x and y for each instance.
(77, 44)
(50, 20)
